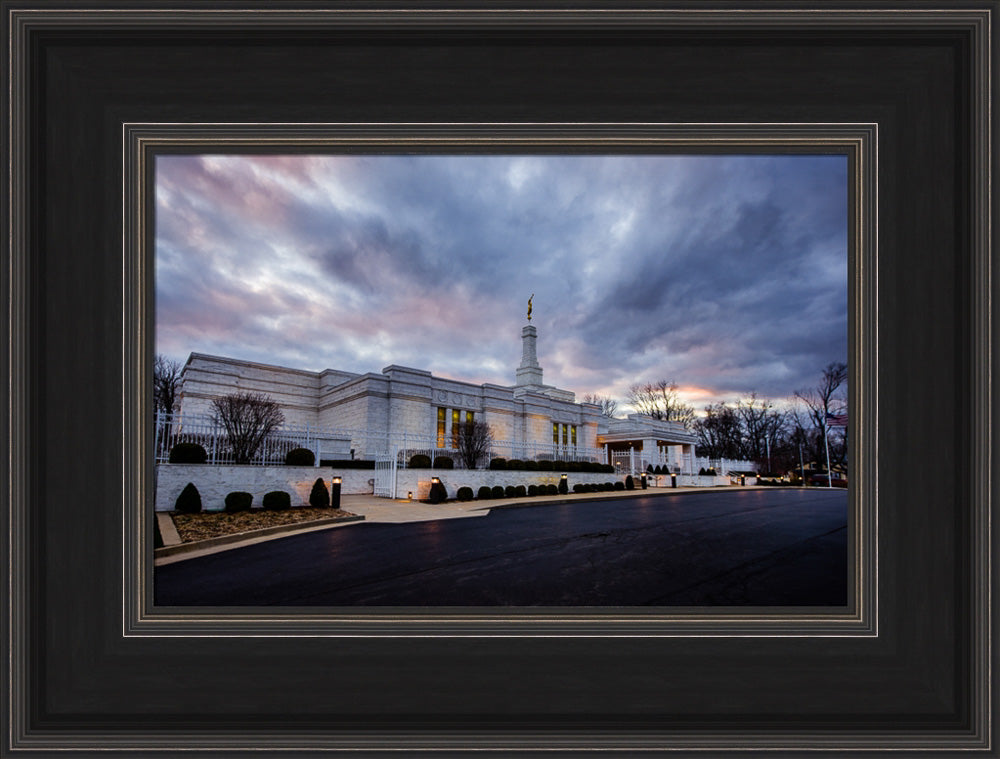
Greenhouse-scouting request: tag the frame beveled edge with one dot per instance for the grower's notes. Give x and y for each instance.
(142, 142)
(978, 737)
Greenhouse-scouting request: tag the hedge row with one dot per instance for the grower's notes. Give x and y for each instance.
(189, 501)
(544, 465)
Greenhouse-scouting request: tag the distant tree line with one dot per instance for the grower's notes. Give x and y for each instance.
(754, 429)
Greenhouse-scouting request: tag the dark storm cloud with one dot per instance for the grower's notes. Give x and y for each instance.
(726, 274)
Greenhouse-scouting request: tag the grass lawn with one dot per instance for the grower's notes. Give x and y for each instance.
(212, 524)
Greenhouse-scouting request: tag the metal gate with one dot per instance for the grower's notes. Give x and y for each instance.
(385, 474)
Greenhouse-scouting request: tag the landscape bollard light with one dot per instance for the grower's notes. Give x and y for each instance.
(644, 482)
(409, 495)
(743, 479)
(563, 485)
(673, 479)
(335, 493)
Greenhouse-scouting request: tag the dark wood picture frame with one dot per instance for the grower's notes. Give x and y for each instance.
(92, 668)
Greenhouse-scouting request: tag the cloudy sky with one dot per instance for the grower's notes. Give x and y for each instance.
(724, 274)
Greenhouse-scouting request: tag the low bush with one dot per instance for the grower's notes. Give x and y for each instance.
(649, 468)
(347, 463)
(188, 453)
(444, 462)
(609, 486)
(277, 500)
(509, 491)
(558, 466)
(497, 491)
(551, 490)
(483, 494)
(515, 464)
(658, 469)
(420, 461)
(629, 483)
(544, 465)
(619, 485)
(498, 463)
(573, 466)
(702, 472)
(319, 497)
(464, 494)
(189, 501)
(711, 472)
(520, 491)
(438, 492)
(238, 501)
(532, 489)
(578, 488)
(530, 466)
(300, 457)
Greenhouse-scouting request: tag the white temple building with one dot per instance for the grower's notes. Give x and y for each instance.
(359, 415)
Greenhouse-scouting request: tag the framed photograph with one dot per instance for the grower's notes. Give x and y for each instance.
(131, 126)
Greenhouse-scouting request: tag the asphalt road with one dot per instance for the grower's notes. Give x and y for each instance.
(731, 548)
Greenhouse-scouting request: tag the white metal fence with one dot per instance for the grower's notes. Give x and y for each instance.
(338, 444)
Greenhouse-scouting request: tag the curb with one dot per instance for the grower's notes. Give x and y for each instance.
(608, 495)
(239, 537)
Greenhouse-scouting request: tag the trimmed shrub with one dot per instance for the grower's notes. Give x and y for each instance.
(438, 492)
(619, 485)
(319, 498)
(594, 487)
(347, 463)
(188, 453)
(573, 466)
(530, 466)
(496, 491)
(300, 457)
(498, 463)
(464, 494)
(563, 485)
(710, 471)
(484, 493)
(544, 465)
(532, 489)
(443, 462)
(608, 468)
(578, 488)
(420, 461)
(277, 500)
(558, 466)
(658, 469)
(649, 468)
(701, 472)
(609, 486)
(515, 464)
(189, 501)
(551, 490)
(238, 501)
(520, 491)
(509, 491)
(629, 483)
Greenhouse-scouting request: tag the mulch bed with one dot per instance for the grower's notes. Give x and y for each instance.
(212, 524)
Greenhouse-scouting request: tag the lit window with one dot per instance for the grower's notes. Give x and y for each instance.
(469, 417)
(455, 424)
(572, 435)
(440, 429)
(555, 433)
(565, 435)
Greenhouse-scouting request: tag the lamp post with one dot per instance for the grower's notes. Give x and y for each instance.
(335, 493)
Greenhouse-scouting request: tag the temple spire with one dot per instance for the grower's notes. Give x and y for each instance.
(529, 372)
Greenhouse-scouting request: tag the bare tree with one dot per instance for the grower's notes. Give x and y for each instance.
(828, 398)
(608, 405)
(166, 381)
(719, 433)
(248, 419)
(661, 400)
(475, 438)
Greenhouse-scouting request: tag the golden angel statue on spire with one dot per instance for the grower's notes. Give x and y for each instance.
(529, 306)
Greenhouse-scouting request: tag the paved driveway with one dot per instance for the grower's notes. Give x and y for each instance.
(757, 547)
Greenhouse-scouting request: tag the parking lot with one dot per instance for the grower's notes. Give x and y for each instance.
(723, 547)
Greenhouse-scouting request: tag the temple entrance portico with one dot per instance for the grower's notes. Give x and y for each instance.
(646, 441)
